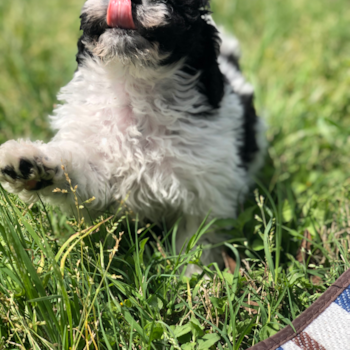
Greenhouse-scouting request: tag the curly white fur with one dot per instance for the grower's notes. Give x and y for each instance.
(132, 133)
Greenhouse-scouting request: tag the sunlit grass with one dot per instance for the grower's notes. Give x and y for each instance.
(64, 285)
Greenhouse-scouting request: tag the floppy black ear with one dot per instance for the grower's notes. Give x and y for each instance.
(203, 57)
(212, 79)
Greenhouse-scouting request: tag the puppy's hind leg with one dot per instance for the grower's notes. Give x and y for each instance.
(34, 168)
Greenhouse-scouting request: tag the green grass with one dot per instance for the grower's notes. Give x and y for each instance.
(64, 286)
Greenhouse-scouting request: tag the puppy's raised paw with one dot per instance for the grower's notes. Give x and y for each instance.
(24, 167)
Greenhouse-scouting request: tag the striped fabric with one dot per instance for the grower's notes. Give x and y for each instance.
(329, 331)
(344, 300)
(324, 326)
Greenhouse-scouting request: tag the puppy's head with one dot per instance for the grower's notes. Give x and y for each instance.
(142, 31)
(154, 33)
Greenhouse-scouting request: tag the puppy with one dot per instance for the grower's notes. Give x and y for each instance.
(157, 114)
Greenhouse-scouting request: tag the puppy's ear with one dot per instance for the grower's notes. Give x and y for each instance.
(212, 80)
(203, 58)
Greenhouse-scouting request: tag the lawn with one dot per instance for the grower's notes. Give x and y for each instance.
(65, 285)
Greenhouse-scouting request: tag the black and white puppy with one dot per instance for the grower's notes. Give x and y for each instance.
(157, 114)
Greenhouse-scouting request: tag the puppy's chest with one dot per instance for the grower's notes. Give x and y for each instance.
(138, 131)
(134, 124)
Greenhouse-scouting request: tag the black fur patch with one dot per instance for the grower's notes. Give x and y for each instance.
(250, 145)
(91, 31)
(93, 28)
(25, 167)
(202, 56)
(81, 51)
(10, 171)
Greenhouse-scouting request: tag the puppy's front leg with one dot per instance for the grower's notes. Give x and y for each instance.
(34, 168)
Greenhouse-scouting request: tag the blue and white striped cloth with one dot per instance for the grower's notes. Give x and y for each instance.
(329, 331)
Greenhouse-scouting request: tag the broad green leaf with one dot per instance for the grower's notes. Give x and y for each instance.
(229, 278)
(287, 212)
(189, 346)
(179, 331)
(258, 245)
(196, 328)
(155, 302)
(154, 331)
(207, 341)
